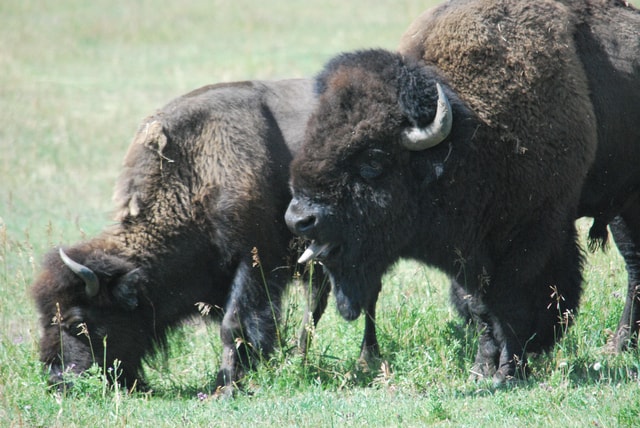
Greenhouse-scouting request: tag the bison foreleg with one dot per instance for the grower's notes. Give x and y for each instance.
(370, 350)
(534, 316)
(231, 368)
(249, 326)
(500, 356)
(472, 309)
(317, 287)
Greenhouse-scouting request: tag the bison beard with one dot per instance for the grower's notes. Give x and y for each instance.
(494, 203)
(204, 182)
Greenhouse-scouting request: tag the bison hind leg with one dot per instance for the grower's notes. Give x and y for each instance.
(626, 234)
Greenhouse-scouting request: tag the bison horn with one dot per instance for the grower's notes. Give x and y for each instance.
(424, 138)
(92, 285)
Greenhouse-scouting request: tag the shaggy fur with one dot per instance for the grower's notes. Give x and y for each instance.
(204, 182)
(608, 41)
(494, 204)
(605, 34)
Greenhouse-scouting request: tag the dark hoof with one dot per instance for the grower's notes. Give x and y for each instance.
(225, 392)
(621, 341)
(369, 358)
(482, 371)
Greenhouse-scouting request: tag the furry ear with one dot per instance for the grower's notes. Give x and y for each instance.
(125, 291)
(417, 95)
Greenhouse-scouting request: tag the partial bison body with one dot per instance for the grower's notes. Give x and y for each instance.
(205, 181)
(608, 41)
(474, 150)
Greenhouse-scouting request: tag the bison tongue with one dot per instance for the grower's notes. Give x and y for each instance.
(312, 251)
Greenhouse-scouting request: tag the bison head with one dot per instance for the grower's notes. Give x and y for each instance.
(378, 140)
(90, 312)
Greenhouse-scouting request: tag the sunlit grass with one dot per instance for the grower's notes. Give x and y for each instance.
(78, 77)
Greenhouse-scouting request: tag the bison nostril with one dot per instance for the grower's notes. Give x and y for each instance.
(305, 225)
(304, 218)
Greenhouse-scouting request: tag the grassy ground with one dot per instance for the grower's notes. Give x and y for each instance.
(77, 78)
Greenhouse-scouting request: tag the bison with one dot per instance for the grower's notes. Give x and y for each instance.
(474, 149)
(199, 218)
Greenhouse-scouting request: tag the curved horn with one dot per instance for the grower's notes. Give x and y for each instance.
(424, 138)
(92, 285)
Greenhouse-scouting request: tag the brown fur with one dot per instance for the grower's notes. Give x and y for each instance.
(494, 204)
(204, 182)
(604, 33)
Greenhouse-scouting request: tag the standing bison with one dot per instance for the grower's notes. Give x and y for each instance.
(474, 150)
(205, 181)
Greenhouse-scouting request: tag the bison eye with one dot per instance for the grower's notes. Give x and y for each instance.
(370, 170)
(372, 163)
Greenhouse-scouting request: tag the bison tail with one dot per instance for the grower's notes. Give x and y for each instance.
(598, 235)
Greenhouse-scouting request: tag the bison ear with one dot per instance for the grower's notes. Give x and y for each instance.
(417, 95)
(125, 291)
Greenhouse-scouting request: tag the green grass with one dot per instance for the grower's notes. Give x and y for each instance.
(78, 77)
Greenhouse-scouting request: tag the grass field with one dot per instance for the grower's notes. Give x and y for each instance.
(78, 77)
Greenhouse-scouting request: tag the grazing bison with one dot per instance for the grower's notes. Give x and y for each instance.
(474, 150)
(205, 181)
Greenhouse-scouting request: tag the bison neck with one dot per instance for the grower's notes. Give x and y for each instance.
(181, 269)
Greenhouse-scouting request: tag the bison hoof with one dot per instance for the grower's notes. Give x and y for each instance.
(225, 392)
(304, 341)
(481, 371)
(510, 373)
(502, 377)
(370, 352)
(225, 384)
(369, 358)
(621, 341)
